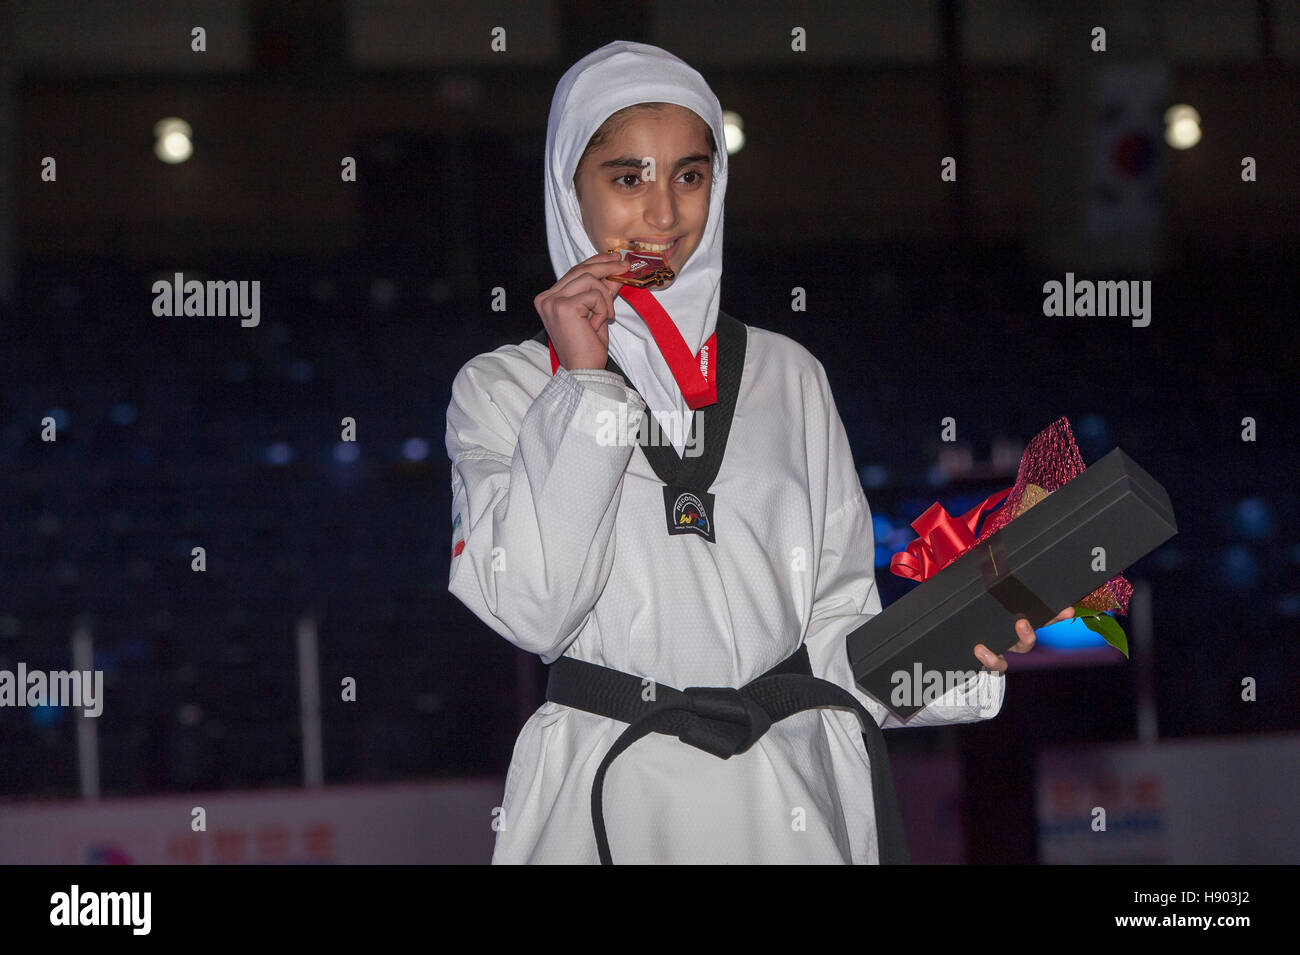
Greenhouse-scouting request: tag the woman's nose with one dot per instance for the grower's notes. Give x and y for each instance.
(661, 207)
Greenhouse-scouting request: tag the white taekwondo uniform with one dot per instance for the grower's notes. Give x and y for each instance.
(560, 546)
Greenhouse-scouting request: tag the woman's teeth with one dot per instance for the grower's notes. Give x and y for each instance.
(650, 246)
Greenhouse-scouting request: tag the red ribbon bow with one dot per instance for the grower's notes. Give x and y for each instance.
(942, 539)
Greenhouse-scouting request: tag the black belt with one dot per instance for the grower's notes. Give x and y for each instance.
(723, 721)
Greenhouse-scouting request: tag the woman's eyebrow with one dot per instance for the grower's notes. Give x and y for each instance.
(632, 162)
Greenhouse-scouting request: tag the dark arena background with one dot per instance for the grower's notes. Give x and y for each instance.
(187, 510)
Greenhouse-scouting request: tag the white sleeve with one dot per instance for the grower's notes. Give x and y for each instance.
(845, 597)
(534, 500)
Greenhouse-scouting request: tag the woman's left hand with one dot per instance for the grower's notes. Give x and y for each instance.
(998, 663)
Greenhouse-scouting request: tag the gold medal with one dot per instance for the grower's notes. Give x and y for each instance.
(643, 268)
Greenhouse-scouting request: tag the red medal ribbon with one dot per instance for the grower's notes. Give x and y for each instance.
(695, 375)
(943, 539)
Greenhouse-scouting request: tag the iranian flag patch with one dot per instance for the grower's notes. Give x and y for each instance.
(458, 539)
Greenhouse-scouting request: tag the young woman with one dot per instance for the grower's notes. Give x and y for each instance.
(736, 556)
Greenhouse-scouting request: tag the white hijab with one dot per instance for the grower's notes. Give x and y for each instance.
(604, 81)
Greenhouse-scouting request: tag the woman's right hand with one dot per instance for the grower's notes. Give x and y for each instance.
(575, 311)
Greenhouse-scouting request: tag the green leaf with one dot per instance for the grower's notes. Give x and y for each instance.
(1081, 611)
(1110, 631)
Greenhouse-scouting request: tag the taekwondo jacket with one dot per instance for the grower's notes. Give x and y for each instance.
(559, 545)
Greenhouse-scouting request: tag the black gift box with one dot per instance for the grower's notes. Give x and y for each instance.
(1034, 567)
